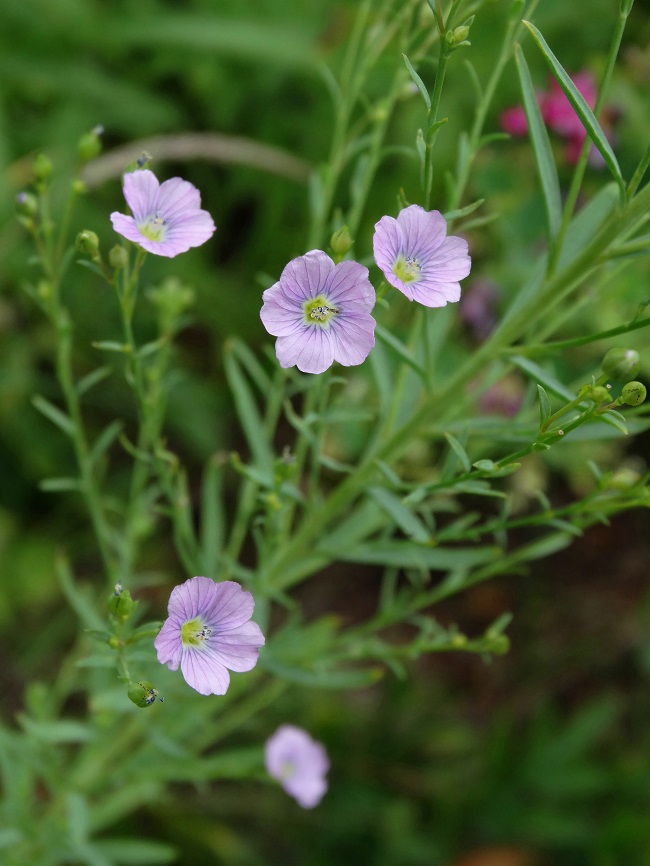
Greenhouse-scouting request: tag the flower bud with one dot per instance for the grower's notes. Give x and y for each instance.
(598, 394)
(619, 364)
(460, 34)
(624, 478)
(90, 144)
(341, 241)
(26, 204)
(87, 243)
(44, 290)
(633, 394)
(42, 167)
(120, 604)
(118, 257)
(143, 694)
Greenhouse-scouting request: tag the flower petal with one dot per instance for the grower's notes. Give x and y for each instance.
(310, 350)
(126, 226)
(177, 197)
(304, 277)
(230, 606)
(192, 598)
(168, 644)
(204, 672)
(140, 190)
(348, 287)
(353, 337)
(238, 649)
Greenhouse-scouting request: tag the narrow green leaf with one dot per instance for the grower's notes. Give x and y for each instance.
(56, 416)
(92, 379)
(436, 125)
(105, 440)
(248, 412)
(136, 852)
(407, 521)
(579, 104)
(399, 348)
(459, 451)
(418, 81)
(213, 518)
(615, 419)
(77, 596)
(328, 679)
(111, 346)
(406, 554)
(59, 731)
(464, 211)
(59, 485)
(544, 406)
(541, 148)
(541, 376)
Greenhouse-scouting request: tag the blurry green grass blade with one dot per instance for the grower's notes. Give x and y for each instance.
(58, 731)
(405, 519)
(252, 366)
(93, 379)
(249, 416)
(541, 148)
(614, 419)
(59, 485)
(407, 554)
(424, 93)
(399, 348)
(542, 377)
(587, 221)
(53, 414)
(459, 451)
(136, 852)
(544, 405)
(76, 596)
(213, 517)
(579, 104)
(324, 679)
(105, 440)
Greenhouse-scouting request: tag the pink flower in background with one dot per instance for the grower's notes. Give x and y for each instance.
(299, 764)
(167, 218)
(418, 259)
(208, 632)
(559, 115)
(320, 313)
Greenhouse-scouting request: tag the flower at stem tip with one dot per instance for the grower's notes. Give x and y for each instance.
(320, 313)
(209, 632)
(298, 763)
(167, 217)
(418, 258)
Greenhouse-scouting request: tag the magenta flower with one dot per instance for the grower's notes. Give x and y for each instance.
(320, 313)
(167, 218)
(208, 632)
(299, 764)
(418, 259)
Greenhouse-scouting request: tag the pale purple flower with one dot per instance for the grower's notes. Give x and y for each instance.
(208, 632)
(299, 764)
(167, 217)
(320, 313)
(418, 259)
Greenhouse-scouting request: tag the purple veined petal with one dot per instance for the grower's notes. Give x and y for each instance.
(126, 226)
(304, 277)
(450, 261)
(353, 338)
(141, 192)
(348, 286)
(203, 672)
(388, 241)
(191, 598)
(230, 606)
(168, 644)
(238, 649)
(281, 322)
(423, 231)
(176, 197)
(310, 350)
(431, 294)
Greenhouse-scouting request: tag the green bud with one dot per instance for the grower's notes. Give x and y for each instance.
(624, 479)
(460, 34)
(598, 394)
(90, 144)
(114, 642)
(633, 394)
(620, 364)
(79, 187)
(26, 204)
(118, 257)
(120, 604)
(44, 290)
(143, 694)
(341, 241)
(499, 644)
(87, 243)
(42, 167)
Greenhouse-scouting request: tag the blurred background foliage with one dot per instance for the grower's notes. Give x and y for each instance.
(541, 757)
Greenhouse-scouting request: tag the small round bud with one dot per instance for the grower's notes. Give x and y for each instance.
(624, 479)
(87, 243)
(26, 204)
(143, 694)
(620, 364)
(459, 641)
(499, 644)
(633, 394)
(79, 187)
(598, 394)
(42, 167)
(341, 241)
(44, 289)
(119, 603)
(118, 257)
(113, 642)
(460, 34)
(90, 144)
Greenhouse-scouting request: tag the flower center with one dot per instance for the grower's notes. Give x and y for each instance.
(319, 310)
(288, 770)
(194, 632)
(407, 269)
(154, 228)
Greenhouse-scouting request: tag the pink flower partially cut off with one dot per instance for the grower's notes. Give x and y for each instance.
(320, 313)
(167, 218)
(208, 632)
(298, 763)
(418, 258)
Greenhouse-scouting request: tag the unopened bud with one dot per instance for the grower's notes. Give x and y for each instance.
(460, 34)
(598, 394)
(143, 694)
(341, 241)
(44, 290)
(87, 243)
(624, 479)
(26, 204)
(90, 144)
(620, 364)
(42, 167)
(120, 604)
(633, 394)
(118, 257)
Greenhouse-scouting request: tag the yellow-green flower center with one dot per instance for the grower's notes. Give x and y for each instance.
(407, 269)
(154, 228)
(194, 632)
(318, 311)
